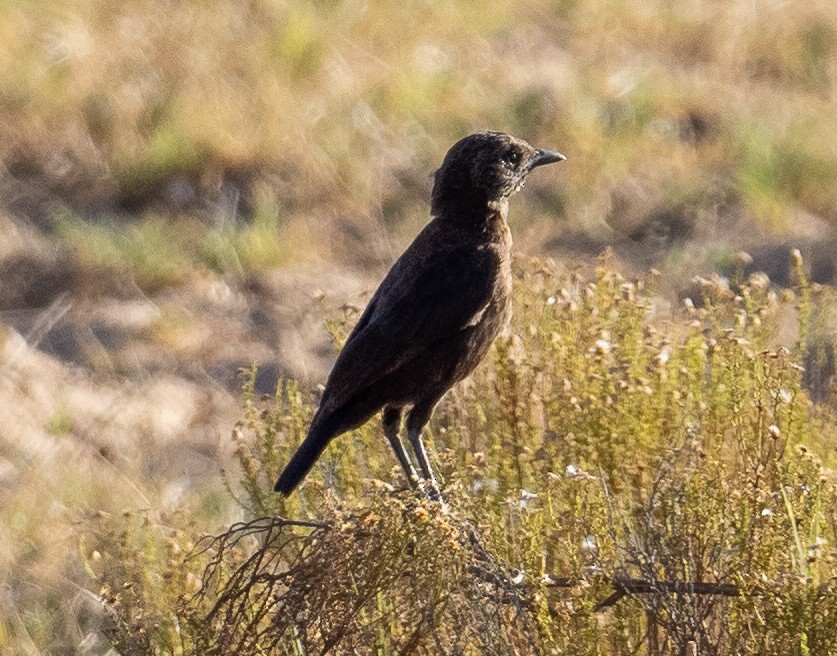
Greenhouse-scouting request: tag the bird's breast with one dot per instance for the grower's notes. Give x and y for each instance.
(493, 317)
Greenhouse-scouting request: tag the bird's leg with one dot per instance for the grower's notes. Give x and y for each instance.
(392, 422)
(416, 420)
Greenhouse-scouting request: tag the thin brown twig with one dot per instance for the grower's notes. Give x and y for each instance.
(622, 586)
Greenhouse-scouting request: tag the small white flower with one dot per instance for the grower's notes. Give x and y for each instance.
(602, 346)
(485, 484)
(574, 471)
(588, 544)
(526, 497)
(550, 300)
(517, 579)
(816, 550)
(767, 512)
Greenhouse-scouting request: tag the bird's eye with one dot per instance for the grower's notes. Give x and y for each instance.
(512, 158)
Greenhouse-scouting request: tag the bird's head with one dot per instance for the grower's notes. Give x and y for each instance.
(483, 168)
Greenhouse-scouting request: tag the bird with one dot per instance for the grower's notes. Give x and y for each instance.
(436, 312)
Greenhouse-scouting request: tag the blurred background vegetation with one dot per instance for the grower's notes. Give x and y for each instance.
(188, 187)
(322, 122)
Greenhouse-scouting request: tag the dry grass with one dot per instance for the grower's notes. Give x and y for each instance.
(695, 119)
(161, 160)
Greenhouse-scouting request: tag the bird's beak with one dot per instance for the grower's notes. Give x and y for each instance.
(542, 157)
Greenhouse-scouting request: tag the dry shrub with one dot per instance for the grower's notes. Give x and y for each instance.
(396, 577)
(618, 484)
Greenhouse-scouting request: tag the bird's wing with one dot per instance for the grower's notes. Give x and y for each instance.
(414, 307)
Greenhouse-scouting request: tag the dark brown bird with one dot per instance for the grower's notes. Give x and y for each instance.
(437, 311)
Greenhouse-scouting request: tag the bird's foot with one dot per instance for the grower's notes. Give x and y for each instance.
(430, 489)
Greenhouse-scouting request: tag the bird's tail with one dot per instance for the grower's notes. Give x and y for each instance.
(303, 460)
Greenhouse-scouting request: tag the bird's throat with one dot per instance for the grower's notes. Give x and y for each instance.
(500, 209)
(486, 219)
